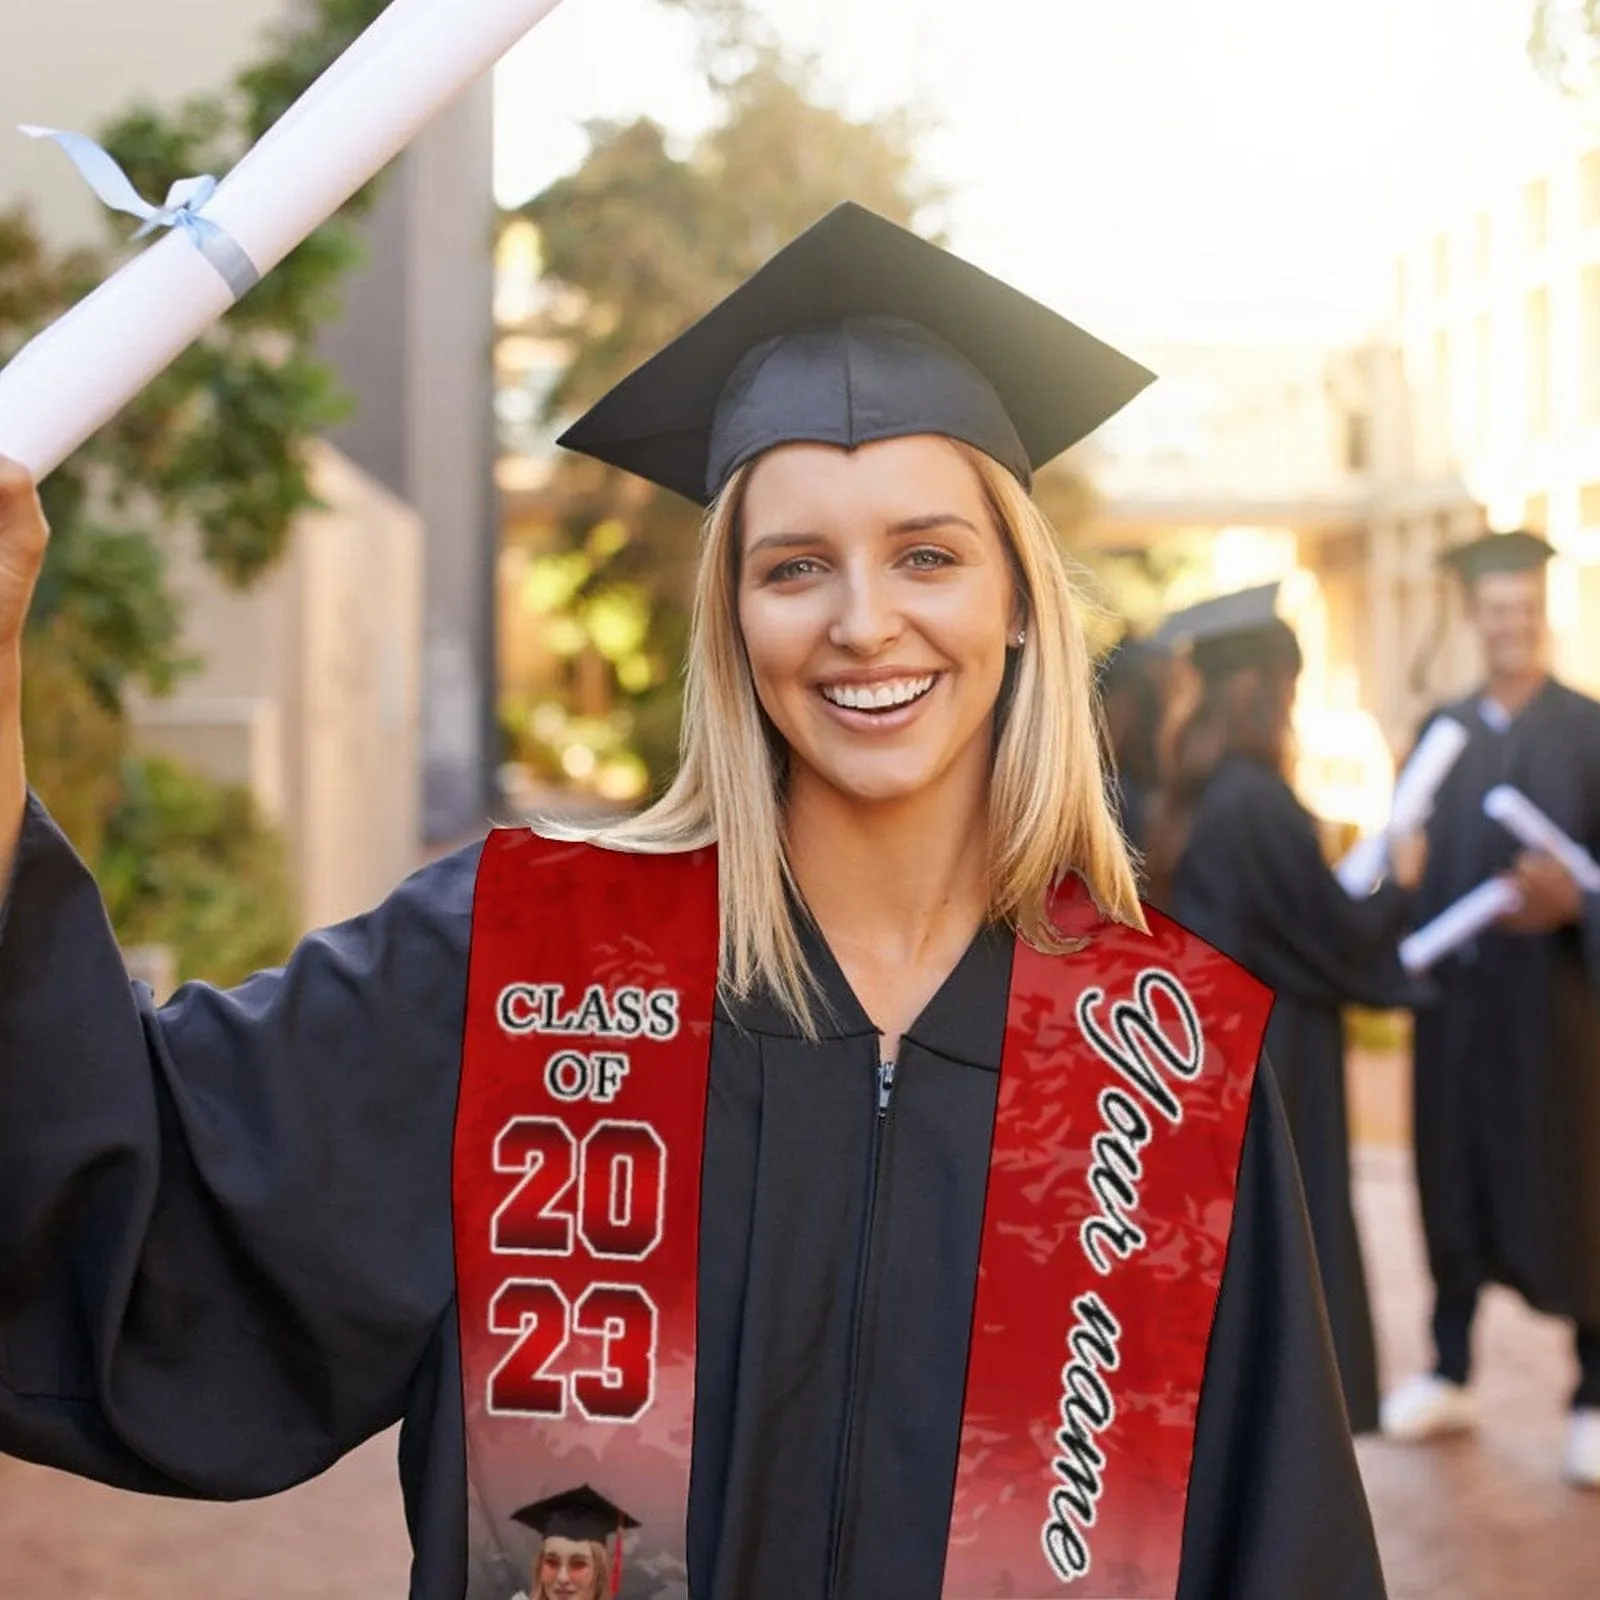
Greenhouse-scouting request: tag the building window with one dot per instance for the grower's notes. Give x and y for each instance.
(1536, 513)
(1589, 188)
(1589, 505)
(1441, 266)
(1484, 244)
(1443, 378)
(1589, 343)
(1538, 362)
(1536, 213)
(1483, 361)
(1357, 441)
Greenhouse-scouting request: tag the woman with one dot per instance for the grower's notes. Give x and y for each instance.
(1236, 858)
(726, 1142)
(574, 1559)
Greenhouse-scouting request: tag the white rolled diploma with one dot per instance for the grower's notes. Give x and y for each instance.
(83, 369)
(1414, 793)
(1458, 923)
(1521, 818)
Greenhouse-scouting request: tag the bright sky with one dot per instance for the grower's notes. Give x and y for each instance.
(1159, 169)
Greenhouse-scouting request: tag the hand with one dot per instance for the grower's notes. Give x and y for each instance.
(23, 536)
(1408, 858)
(1551, 899)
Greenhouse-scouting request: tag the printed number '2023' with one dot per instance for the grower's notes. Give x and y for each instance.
(605, 1194)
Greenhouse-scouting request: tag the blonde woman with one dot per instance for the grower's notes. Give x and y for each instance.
(831, 1163)
(574, 1558)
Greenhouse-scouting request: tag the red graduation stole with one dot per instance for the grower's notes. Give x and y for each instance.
(1125, 1086)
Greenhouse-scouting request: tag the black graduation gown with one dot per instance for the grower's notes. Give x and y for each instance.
(1253, 882)
(1508, 1055)
(225, 1258)
(1132, 800)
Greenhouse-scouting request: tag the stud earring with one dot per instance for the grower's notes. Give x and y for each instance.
(1019, 638)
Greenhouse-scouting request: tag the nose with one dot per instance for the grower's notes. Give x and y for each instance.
(866, 619)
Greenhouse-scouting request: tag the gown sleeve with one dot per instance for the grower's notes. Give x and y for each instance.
(1276, 1503)
(225, 1222)
(1299, 932)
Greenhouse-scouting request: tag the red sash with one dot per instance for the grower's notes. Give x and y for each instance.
(1124, 1092)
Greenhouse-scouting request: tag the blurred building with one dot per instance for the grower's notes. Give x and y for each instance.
(408, 541)
(310, 695)
(1498, 322)
(1278, 462)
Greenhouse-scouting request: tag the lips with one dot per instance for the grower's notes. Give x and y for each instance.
(890, 694)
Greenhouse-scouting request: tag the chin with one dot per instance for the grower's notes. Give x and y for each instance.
(875, 787)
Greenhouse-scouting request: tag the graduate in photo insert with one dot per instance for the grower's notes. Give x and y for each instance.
(1507, 1073)
(226, 1251)
(575, 1560)
(1236, 857)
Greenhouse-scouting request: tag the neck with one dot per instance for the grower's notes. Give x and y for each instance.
(896, 877)
(1513, 690)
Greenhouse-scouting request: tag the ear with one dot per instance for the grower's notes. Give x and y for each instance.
(1017, 617)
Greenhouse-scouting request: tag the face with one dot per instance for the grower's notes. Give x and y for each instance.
(876, 599)
(567, 1570)
(1507, 609)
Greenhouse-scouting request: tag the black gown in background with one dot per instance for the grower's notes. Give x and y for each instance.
(225, 1260)
(1508, 1058)
(1254, 883)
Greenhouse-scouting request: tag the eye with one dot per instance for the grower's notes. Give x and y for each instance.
(928, 558)
(794, 567)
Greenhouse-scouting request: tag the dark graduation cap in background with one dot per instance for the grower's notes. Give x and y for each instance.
(1516, 551)
(581, 1514)
(1230, 631)
(858, 331)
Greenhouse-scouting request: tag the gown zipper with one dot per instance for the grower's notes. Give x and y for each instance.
(858, 1332)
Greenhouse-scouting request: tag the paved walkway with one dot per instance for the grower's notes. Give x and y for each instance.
(1483, 1520)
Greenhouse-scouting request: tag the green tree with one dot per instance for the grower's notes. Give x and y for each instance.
(1564, 42)
(213, 449)
(636, 243)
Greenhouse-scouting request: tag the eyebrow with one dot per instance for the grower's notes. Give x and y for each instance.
(932, 523)
(927, 524)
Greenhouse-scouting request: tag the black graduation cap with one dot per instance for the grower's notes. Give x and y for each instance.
(857, 331)
(580, 1513)
(1231, 631)
(1517, 551)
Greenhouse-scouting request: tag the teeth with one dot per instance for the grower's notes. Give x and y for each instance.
(878, 696)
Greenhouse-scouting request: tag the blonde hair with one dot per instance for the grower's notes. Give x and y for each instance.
(1048, 808)
(598, 1554)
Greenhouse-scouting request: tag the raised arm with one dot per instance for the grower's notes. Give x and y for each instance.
(225, 1244)
(22, 542)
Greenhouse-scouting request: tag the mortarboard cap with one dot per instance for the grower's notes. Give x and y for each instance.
(579, 1513)
(1517, 551)
(858, 331)
(1231, 631)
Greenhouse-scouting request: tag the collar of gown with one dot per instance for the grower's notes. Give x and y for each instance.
(964, 1021)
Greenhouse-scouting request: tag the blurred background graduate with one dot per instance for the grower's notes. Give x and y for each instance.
(1236, 857)
(1131, 677)
(1507, 1078)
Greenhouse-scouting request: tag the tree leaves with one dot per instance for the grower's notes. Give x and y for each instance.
(639, 241)
(214, 449)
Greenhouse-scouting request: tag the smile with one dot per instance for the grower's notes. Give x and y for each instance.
(887, 696)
